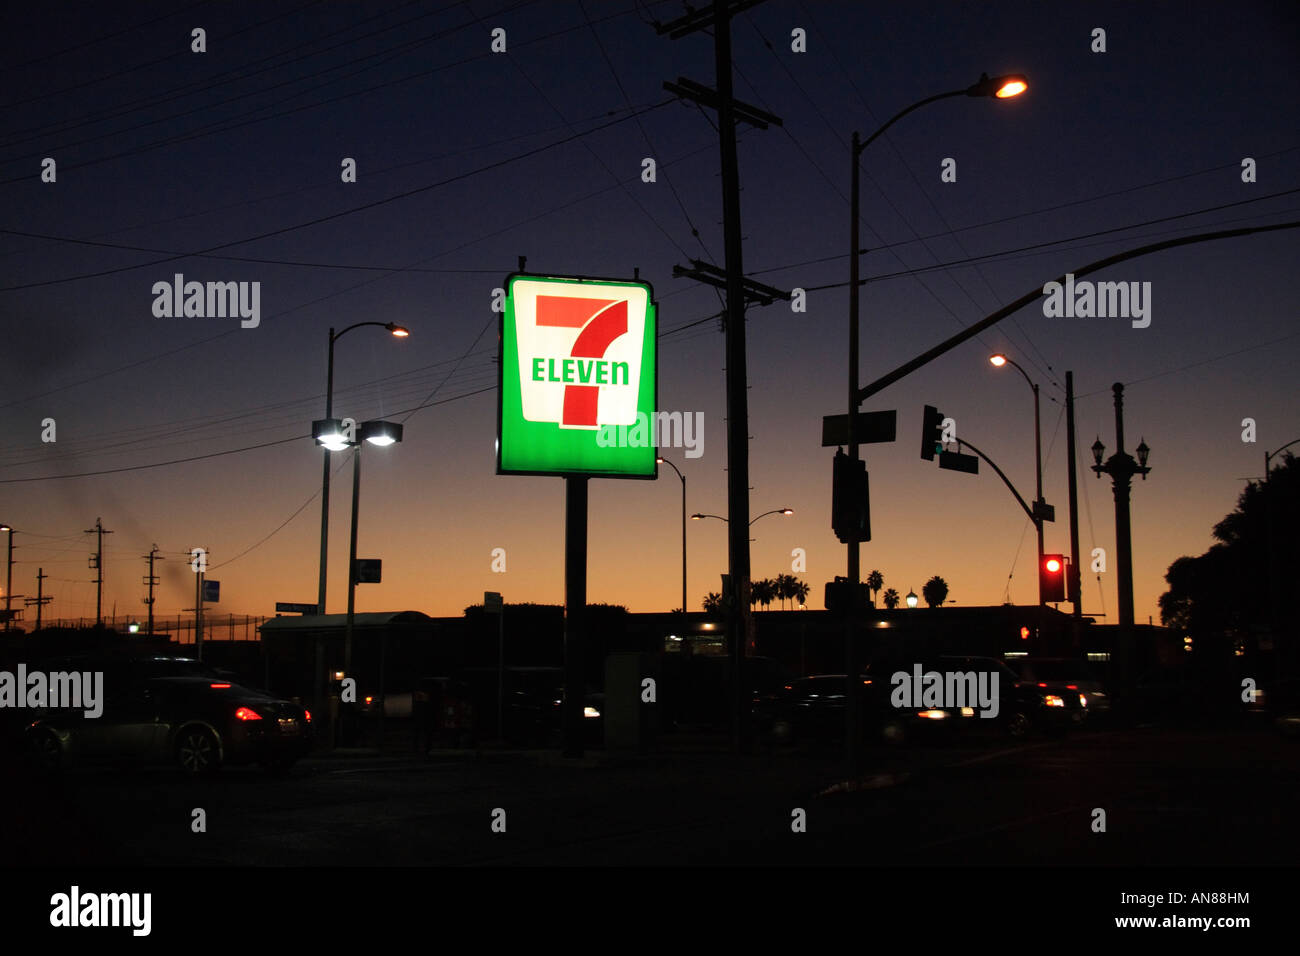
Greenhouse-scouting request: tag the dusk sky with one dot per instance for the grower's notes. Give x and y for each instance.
(467, 159)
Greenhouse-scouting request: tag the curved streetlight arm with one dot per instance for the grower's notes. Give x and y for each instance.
(1269, 456)
(674, 468)
(698, 515)
(1028, 510)
(1010, 361)
(778, 511)
(899, 115)
(357, 325)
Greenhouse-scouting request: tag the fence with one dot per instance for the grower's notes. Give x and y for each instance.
(216, 627)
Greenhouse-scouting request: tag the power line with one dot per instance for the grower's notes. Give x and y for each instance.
(219, 454)
(217, 127)
(406, 194)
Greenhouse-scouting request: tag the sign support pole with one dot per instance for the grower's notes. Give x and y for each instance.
(575, 611)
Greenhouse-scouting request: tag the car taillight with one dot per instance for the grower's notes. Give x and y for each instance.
(220, 686)
(308, 713)
(932, 714)
(1083, 701)
(247, 713)
(1052, 700)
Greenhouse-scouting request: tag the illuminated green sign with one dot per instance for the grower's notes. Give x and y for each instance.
(578, 373)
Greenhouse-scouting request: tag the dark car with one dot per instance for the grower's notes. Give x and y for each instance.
(811, 711)
(166, 709)
(1023, 706)
(1066, 676)
(533, 704)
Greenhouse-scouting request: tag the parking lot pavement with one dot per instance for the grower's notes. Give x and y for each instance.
(1172, 797)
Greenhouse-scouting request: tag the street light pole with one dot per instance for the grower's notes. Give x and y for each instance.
(352, 560)
(997, 361)
(325, 481)
(1002, 88)
(1121, 467)
(9, 579)
(683, 478)
(399, 332)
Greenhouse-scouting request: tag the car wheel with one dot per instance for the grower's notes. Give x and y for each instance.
(1019, 724)
(48, 751)
(198, 752)
(894, 732)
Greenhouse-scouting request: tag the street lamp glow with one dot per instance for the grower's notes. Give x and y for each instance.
(1012, 86)
(398, 330)
(328, 433)
(911, 598)
(997, 361)
(999, 87)
(787, 511)
(381, 433)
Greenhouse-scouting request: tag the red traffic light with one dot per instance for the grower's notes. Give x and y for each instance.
(1024, 633)
(1051, 578)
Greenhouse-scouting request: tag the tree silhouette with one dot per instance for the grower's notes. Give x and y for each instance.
(875, 581)
(891, 599)
(1239, 589)
(713, 604)
(799, 590)
(935, 591)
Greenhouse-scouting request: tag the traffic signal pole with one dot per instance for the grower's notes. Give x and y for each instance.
(852, 746)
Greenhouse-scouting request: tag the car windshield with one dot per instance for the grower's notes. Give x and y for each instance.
(154, 667)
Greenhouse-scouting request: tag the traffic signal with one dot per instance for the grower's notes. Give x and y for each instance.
(931, 432)
(1051, 578)
(839, 596)
(850, 499)
(1024, 633)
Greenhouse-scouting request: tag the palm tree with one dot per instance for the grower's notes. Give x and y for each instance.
(762, 592)
(935, 591)
(713, 604)
(875, 581)
(784, 587)
(891, 599)
(800, 590)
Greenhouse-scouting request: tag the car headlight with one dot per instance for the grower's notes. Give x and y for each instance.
(590, 712)
(1083, 700)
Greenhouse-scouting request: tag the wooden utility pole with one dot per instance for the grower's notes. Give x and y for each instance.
(41, 598)
(98, 567)
(151, 580)
(732, 279)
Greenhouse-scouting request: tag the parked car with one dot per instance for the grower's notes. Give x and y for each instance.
(166, 709)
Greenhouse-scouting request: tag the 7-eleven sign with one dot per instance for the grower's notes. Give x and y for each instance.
(576, 355)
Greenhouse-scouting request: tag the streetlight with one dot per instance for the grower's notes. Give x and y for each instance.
(778, 511)
(335, 443)
(665, 461)
(911, 598)
(1121, 467)
(9, 578)
(379, 433)
(998, 361)
(1001, 87)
